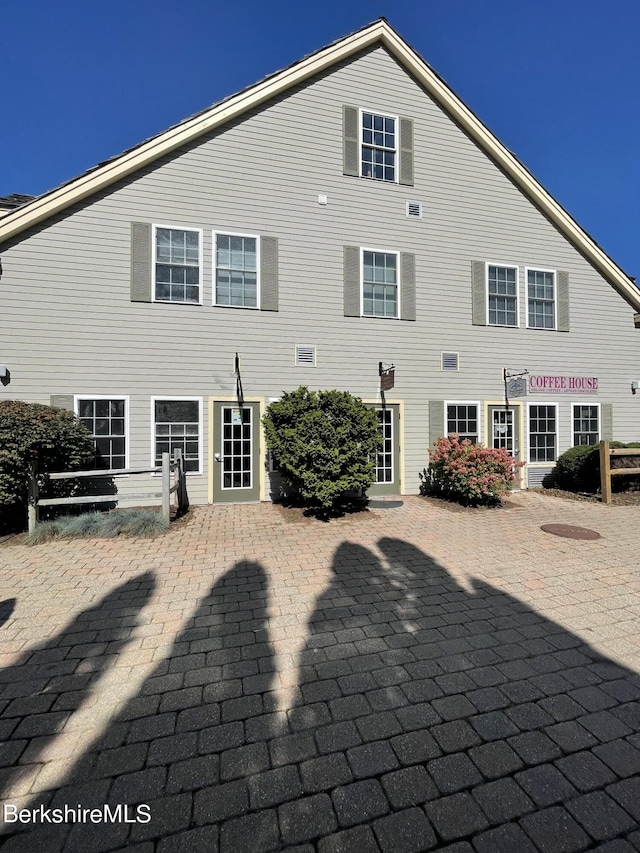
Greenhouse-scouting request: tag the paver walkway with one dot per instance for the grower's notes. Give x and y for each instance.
(405, 679)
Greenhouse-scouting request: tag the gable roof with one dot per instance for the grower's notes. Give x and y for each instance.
(377, 33)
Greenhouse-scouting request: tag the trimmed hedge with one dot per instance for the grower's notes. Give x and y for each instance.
(58, 441)
(578, 469)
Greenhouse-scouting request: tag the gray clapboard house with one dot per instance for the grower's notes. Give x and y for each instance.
(347, 211)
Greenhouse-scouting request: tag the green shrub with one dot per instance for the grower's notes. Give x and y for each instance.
(127, 522)
(59, 442)
(578, 469)
(324, 442)
(468, 473)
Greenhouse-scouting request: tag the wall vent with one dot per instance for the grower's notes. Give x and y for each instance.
(414, 209)
(449, 361)
(305, 356)
(537, 477)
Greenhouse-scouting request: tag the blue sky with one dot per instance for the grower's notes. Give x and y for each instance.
(558, 81)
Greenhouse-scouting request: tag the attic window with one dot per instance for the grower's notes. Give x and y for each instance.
(414, 209)
(449, 361)
(305, 356)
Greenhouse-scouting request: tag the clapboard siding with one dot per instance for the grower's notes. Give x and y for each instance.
(67, 281)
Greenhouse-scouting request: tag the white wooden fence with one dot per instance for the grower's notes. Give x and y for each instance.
(179, 487)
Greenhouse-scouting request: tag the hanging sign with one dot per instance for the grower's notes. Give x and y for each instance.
(516, 388)
(236, 417)
(563, 384)
(387, 380)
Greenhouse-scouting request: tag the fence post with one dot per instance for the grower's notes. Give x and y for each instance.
(166, 485)
(605, 472)
(32, 515)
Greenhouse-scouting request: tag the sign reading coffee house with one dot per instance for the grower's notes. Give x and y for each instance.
(563, 384)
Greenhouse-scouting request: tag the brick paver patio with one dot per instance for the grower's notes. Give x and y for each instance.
(406, 679)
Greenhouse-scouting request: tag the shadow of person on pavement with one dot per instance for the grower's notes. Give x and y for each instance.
(199, 723)
(49, 682)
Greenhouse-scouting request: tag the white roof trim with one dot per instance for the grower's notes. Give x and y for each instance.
(378, 32)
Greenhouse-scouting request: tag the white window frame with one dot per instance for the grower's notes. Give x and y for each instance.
(364, 249)
(592, 405)
(396, 162)
(154, 250)
(555, 297)
(172, 398)
(549, 462)
(393, 449)
(214, 262)
(232, 405)
(486, 292)
(475, 403)
(125, 397)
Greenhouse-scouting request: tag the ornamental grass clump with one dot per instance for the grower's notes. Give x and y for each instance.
(469, 473)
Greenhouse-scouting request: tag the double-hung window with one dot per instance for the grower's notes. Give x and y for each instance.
(543, 433)
(462, 420)
(178, 423)
(177, 264)
(541, 299)
(106, 420)
(378, 146)
(586, 424)
(502, 293)
(236, 270)
(380, 275)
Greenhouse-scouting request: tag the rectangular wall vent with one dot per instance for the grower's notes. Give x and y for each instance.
(537, 477)
(305, 356)
(414, 209)
(449, 361)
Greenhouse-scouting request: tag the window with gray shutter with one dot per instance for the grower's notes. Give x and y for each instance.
(350, 121)
(408, 286)
(406, 152)
(436, 421)
(351, 281)
(140, 262)
(269, 273)
(478, 293)
(563, 301)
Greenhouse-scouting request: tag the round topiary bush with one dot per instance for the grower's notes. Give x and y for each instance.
(58, 441)
(325, 444)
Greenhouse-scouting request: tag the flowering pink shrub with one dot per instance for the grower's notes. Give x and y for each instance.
(468, 473)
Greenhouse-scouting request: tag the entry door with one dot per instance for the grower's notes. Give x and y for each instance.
(504, 432)
(236, 472)
(387, 480)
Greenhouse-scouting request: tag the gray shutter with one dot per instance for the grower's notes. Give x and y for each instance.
(436, 421)
(140, 262)
(406, 152)
(478, 293)
(351, 164)
(269, 273)
(408, 285)
(606, 422)
(351, 281)
(62, 401)
(563, 301)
